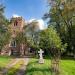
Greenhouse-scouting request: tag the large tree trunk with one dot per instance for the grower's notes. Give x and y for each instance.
(55, 61)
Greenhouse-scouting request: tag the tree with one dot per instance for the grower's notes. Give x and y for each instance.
(50, 40)
(4, 31)
(29, 36)
(62, 15)
(22, 41)
(31, 31)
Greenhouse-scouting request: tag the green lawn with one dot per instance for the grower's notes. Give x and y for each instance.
(68, 67)
(4, 60)
(33, 68)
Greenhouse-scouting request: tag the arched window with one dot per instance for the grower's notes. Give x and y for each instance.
(15, 23)
(13, 43)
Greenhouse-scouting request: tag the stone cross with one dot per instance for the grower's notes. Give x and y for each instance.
(40, 53)
(41, 60)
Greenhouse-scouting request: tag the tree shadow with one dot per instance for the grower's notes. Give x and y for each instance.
(31, 68)
(39, 69)
(6, 71)
(67, 58)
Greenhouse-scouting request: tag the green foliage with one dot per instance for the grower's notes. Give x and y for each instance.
(49, 38)
(62, 15)
(32, 33)
(4, 39)
(21, 38)
(4, 33)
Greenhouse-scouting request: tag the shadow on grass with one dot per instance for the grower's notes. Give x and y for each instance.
(39, 69)
(62, 57)
(14, 71)
(35, 67)
(67, 58)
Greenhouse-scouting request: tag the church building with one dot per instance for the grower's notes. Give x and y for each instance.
(16, 26)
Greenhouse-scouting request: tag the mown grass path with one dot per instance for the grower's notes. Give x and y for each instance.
(16, 66)
(22, 69)
(9, 65)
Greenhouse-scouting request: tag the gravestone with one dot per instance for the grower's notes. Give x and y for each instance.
(41, 60)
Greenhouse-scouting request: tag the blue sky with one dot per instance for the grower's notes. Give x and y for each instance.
(28, 9)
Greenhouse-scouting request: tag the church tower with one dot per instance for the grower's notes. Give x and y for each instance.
(16, 26)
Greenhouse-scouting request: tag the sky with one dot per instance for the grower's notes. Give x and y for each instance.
(28, 9)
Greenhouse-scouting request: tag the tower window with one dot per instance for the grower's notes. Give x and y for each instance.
(13, 44)
(15, 23)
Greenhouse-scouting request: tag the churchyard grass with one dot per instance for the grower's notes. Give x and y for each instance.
(34, 68)
(67, 67)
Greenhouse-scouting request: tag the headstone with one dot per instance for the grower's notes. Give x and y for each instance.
(41, 60)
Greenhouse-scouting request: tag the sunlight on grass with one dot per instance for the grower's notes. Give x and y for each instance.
(68, 67)
(34, 68)
(4, 60)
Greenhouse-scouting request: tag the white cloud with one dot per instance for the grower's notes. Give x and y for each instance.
(41, 23)
(31, 20)
(15, 15)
